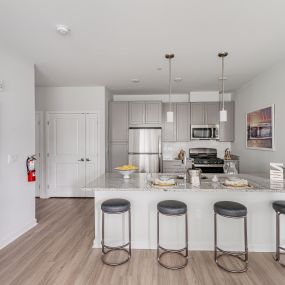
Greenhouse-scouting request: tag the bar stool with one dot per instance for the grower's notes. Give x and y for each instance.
(231, 210)
(279, 207)
(172, 208)
(115, 206)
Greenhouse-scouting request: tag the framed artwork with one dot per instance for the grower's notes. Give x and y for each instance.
(260, 128)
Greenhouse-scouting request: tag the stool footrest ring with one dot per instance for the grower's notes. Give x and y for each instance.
(112, 249)
(236, 254)
(176, 251)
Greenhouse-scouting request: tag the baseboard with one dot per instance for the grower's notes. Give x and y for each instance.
(13, 236)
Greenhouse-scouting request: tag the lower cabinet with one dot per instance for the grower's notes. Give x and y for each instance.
(118, 155)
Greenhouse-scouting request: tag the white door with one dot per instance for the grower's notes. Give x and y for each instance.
(66, 155)
(38, 144)
(73, 153)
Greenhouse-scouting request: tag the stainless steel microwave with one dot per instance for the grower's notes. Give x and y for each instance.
(204, 132)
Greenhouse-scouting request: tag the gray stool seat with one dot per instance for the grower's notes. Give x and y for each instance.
(279, 206)
(113, 206)
(172, 207)
(230, 209)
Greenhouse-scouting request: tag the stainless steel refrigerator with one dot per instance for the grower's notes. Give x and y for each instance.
(145, 149)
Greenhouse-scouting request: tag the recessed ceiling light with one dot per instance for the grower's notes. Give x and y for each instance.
(135, 80)
(62, 29)
(178, 79)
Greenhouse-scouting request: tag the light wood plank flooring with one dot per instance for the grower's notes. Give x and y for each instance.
(59, 251)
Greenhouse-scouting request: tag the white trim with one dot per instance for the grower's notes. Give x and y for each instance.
(273, 129)
(13, 236)
(42, 153)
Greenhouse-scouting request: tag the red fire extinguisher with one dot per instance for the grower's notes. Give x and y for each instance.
(31, 170)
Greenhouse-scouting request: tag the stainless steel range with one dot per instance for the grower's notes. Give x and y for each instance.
(206, 159)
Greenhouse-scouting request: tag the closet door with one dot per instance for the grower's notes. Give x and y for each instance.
(92, 147)
(66, 155)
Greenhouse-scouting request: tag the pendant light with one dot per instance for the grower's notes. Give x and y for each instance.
(169, 114)
(223, 112)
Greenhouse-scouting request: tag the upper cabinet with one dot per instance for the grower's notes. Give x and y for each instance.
(144, 113)
(118, 121)
(183, 122)
(205, 113)
(179, 130)
(227, 129)
(168, 129)
(197, 113)
(137, 113)
(212, 113)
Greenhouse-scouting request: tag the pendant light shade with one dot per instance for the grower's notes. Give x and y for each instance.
(223, 112)
(169, 117)
(169, 114)
(223, 115)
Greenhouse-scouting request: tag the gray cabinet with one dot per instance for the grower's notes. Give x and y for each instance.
(205, 113)
(182, 122)
(118, 155)
(212, 113)
(168, 129)
(153, 113)
(227, 129)
(136, 113)
(118, 121)
(145, 113)
(197, 113)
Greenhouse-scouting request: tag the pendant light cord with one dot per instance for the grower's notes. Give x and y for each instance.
(223, 82)
(169, 84)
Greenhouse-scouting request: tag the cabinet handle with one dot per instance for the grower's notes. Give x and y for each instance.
(87, 159)
(82, 159)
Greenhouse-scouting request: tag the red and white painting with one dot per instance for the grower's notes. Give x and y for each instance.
(260, 129)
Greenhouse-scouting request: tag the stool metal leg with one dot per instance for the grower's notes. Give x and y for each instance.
(177, 251)
(278, 246)
(241, 255)
(107, 249)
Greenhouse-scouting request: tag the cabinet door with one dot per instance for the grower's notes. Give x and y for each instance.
(168, 129)
(136, 113)
(118, 155)
(227, 129)
(212, 113)
(197, 113)
(183, 122)
(118, 121)
(153, 113)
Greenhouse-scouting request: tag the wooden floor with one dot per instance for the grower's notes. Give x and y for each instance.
(59, 251)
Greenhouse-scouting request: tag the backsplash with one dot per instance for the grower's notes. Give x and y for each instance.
(171, 149)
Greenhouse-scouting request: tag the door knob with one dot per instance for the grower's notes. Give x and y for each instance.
(87, 159)
(82, 159)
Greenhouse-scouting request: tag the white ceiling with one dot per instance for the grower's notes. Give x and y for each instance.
(114, 41)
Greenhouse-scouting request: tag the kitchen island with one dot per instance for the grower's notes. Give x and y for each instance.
(200, 200)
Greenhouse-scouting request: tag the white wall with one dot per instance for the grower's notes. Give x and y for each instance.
(17, 137)
(266, 89)
(85, 99)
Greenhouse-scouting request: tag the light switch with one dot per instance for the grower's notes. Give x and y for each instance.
(12, 158)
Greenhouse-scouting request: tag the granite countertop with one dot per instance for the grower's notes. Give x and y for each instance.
(142, 182)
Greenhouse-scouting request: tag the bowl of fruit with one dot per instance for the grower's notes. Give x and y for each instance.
(126, 170)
